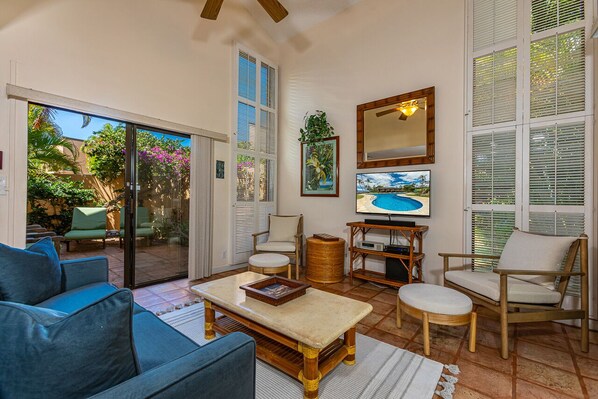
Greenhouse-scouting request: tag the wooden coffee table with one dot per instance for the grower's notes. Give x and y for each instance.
(300, 337)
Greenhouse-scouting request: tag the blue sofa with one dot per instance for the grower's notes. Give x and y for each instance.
(170, 365)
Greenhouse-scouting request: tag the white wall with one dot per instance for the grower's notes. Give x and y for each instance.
(375, 50)
(152, 57)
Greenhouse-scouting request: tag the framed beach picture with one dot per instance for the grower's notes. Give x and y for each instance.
(319, 168)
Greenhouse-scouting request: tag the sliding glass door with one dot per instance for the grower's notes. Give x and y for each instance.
(157, 189)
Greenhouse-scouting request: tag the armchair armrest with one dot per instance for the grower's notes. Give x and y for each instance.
(222, 369)
(536, 272)
(447, 256)
(260, 233)
(79, 272)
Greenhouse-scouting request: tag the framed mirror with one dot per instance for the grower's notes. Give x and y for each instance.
(396, 131)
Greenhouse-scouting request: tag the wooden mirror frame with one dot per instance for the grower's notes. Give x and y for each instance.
(428, 93)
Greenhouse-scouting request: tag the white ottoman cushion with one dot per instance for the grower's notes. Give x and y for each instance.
(435, 299)
(269, 260)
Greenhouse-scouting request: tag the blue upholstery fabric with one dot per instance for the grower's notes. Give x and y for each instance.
(156, 342)
(78, 298)
(222, 369)
(80, 272)
(49, 354)
(29, 276)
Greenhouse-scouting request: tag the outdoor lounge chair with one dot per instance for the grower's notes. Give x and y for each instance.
(87, 224)
(523, 287)
(144, 228)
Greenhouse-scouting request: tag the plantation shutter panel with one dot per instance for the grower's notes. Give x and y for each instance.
(490, 231)
(494, 21)
(494, 87)
(493, 168)
(557, 165)
(557, 74)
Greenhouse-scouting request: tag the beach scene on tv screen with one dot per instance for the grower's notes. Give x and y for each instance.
(405, 193)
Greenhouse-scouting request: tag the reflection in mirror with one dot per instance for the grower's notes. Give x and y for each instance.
(397, 130)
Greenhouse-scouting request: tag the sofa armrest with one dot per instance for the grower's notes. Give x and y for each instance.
(222, 369)
(80, 272)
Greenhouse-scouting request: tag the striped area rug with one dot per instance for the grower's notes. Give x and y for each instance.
(381, 370)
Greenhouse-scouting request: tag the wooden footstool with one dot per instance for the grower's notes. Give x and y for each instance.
(270, 263)
(439, 305)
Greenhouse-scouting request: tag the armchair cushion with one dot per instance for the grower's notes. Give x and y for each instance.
(488, 285)
(528, 251)
(29, 275)
(89, 218)
(276, 246)
(283, 228)
(51, 354)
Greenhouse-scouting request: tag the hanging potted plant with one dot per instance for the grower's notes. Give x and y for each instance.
(316, 129)
(319, 156)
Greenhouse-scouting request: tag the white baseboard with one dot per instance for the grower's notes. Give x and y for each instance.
(228, 268)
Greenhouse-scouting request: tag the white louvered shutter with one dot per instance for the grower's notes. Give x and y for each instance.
(528, 123)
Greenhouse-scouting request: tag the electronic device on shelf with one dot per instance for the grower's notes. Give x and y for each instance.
(371, 245)
(393, 193)
(397, 249)
(395, 270)
(386, 222)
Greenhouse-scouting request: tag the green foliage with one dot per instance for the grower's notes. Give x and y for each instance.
(59, 194)
(316, 129)
(47, 150)
(105, 152)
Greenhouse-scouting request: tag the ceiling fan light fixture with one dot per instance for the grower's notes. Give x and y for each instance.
(408, 108)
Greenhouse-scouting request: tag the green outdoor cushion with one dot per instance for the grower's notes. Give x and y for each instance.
(89, 219)
(85, 234)
(143, 218)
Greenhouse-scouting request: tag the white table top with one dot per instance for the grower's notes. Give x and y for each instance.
(315, 319)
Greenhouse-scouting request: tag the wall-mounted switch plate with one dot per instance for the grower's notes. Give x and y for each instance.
(2, 185)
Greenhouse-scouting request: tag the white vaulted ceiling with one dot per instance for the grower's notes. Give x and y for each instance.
(303, 14)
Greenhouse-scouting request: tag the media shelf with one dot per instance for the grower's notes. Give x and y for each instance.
(413, 235)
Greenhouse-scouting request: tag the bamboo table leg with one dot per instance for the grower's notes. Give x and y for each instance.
(209, 316)
(426, 325)
(310, 376)
(472, 331)
(399, 324)
(349, 341)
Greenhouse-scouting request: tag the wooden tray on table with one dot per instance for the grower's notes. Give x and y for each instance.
(275, 290)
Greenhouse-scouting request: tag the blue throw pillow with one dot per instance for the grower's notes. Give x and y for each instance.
(29, 275)
(50, 354)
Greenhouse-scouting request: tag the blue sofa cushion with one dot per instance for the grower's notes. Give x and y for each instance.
(29, 275)
(158, 343)
(50, 354)
(78, 298)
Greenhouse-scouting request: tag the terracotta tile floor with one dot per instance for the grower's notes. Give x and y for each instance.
(545, 360)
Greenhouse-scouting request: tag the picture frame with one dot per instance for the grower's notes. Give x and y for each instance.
(320, 168)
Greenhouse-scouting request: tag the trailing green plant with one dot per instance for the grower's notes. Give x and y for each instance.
(60, 195)
(316, 128)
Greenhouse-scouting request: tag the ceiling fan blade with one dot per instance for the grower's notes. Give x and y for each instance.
(388, 111)
(403, 117)
(211, 9)
(274, 9)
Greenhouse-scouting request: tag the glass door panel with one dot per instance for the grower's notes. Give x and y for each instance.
(161, 226)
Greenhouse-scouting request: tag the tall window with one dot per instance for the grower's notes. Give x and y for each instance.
(254, 149)
(529, 129)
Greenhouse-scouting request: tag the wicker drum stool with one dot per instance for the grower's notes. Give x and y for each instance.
(270, 263)
(439, 305)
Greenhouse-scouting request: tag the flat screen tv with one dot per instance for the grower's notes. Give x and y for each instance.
(394, 193)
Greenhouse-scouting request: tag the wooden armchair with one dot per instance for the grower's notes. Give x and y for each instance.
(285, 236)
(523, 294)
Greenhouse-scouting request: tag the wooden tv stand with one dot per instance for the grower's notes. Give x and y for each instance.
(414, 235)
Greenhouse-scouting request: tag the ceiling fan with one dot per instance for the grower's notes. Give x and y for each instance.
(406, 108)
(272, 7)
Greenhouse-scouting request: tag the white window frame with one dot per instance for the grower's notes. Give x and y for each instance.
(261, 208)
(524, 123)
